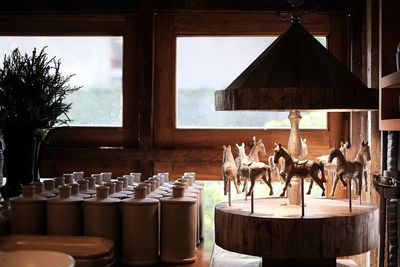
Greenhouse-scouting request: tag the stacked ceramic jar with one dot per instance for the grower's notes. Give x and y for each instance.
(159, 220)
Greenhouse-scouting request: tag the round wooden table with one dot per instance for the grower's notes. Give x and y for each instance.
(283, 238)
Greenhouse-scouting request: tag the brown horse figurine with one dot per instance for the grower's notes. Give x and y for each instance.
(344, 168)
(252, 170)
(229, 169)
(302, 170)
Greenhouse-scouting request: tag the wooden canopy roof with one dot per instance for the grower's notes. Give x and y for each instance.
(296, 72)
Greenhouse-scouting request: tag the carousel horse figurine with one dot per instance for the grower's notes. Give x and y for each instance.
(280, 166)
(331, 167)
(252, 170)
(229, 169)
(256, 148)
(344, 168)
(364, 156)
(301, 170)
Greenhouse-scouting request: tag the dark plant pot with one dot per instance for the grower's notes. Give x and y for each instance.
(21, 153)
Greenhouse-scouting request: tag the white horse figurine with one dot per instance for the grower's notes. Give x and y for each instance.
(364, 156)
(280, 166)
(229, 169)
(252, 170)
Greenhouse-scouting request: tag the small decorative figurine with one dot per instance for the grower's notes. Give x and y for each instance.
(229, 170)
(331, 167)
(302, 170)
(351, 169)
(253, 170)
(280, 166)
(363, 156)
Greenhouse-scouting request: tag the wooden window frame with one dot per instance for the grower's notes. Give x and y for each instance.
(89, 25)
(169, 26)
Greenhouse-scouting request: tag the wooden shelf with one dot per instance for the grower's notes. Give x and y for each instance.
(391, 81)
(389, 105)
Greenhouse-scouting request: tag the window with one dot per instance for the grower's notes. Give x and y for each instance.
(96, 62)
(206, 64)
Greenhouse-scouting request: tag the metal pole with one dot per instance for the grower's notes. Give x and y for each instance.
(302, 197)
(252, 201)
(349, 193)
(229, 191)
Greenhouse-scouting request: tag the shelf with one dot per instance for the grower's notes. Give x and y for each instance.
(389, 102)
(391, 81)
(389, 125)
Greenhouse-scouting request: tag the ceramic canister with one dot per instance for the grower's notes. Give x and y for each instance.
(92, 182)
(59, 181)
(99, 178)
(84, 187)
(50, 186)
(191, 192)
(140, 229)
(125, 186)
(190, 178)
(130, 180)
(102, 216)
(178, 227)
(28, 213)
(75, 191)
(106, 176)
(136, 177)
(69, 178)
(119, 187)
(78, 175)
(64, 213)
(112, 193)
(39, 190)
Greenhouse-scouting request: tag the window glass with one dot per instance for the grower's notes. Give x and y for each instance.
(207, 64)
(97, 64)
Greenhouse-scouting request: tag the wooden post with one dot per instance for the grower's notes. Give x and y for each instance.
(302, 197)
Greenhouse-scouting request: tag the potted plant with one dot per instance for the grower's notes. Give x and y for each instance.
(32, 91)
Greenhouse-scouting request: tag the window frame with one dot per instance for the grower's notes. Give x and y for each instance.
(169, 26)
(89, 25)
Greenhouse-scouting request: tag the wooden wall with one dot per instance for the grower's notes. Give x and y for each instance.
(148, 142)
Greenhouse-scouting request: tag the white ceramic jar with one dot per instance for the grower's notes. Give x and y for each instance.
(39, 190)
(112, 193)
(106, 176)
(178, 228)
(191, 180)
(136, 177)
(84, 187)
(102, 217)
(140, 229)
(59, 181)
(68, 178)
(28, 213)
(50, 186)
(98, 178)
(78, 176)
(64, 213)
(75, 191)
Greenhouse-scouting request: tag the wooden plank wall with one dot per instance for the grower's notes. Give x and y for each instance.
(148, 140)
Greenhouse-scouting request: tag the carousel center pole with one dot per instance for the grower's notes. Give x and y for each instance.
(295, 149)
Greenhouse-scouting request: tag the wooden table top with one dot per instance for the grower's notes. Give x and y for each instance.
(277, 231)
